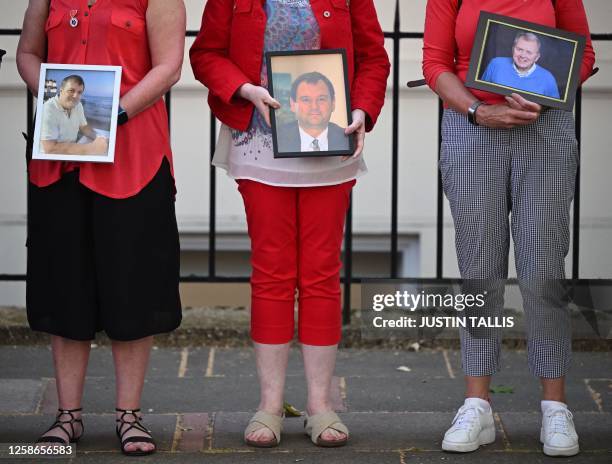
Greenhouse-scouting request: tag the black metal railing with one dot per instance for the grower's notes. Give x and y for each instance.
(396, 36)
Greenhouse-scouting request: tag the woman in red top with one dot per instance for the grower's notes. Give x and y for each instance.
(512, 156)
(103, 248)
(295, 207)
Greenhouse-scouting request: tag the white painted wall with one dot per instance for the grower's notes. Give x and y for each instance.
(418, 135)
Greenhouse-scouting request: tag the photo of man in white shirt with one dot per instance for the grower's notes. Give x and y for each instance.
(64, 118)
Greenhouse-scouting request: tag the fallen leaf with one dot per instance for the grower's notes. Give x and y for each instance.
(501, 389)
(291, 411)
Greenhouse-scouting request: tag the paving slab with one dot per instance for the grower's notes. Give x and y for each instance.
(23, 428)
(26, 362)
(384, 363)
(601, 392)
(19, 395)
(526, 388)
(192, 363)
(36, 361)
(162, 363)
(393, 395)
(180, 395)
(241, 362)
(198, 401)
(328, 456)
(99, 430)
(369, 431)
(479, 457)
(523, 430)
(591, 364)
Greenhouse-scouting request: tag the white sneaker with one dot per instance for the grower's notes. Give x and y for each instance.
(472, 426)
(558, 433)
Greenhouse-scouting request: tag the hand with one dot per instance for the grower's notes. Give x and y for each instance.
(519, 103)
(99, 146)
(504, 116)
(357, 127)
(260, 97)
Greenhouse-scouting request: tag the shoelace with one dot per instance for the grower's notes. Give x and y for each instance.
(466, 416)
(558, 421)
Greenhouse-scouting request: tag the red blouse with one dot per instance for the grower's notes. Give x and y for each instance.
(111, 32)
(449, 37)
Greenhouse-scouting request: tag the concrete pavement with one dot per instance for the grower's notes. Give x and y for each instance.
(198, 400)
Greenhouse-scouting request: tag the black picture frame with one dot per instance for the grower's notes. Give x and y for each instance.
(565, 50)
(279, 85)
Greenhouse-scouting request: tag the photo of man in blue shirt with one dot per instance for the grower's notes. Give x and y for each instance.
(521, 71)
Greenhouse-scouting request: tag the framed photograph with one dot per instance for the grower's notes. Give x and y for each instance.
(538, 62)
(312, 88)
(76, 113)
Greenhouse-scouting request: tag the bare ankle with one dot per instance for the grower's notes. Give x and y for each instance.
(316, 408)
(271, 408)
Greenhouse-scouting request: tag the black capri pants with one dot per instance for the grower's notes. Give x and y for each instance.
(97, 263)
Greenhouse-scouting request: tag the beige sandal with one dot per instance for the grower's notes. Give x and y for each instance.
(262, 420)
(315, 425)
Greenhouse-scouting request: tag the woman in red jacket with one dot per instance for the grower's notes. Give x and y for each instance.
(501, 156)
(103, 246)
(295, 207)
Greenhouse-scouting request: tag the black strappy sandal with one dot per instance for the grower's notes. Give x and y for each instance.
(135, 424)
(59, 423)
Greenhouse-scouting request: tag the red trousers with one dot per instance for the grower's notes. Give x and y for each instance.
(296, 236)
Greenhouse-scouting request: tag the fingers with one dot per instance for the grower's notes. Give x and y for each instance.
(264, 104)
(272, 102)
(522, 115)
(353, 127)
(265, 112)
(513, 103)
(524, 103)
(360, 139)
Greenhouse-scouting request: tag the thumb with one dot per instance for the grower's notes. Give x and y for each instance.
(272, 102)
(353, 126)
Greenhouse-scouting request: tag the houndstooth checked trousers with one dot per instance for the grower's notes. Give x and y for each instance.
(527, 174)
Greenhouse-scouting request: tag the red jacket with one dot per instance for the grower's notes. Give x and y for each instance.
(228, 53)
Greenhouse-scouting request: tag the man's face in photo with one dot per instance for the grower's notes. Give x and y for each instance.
(525, 53)
(313, 105)
(70, 95)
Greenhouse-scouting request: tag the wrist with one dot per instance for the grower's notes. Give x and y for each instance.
(245, 90)
(473, 110)
(359, 113)
(122, 117)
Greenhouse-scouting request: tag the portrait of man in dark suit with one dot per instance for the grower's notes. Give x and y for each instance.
(2, 53)
(313, 101)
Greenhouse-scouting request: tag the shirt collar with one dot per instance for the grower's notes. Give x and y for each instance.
(306, 139)
(527, 73)
(60, 107)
